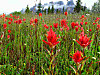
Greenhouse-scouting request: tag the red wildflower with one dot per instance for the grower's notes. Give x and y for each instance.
(11, 19)
(4, 26)
(2, 36)
(16, 21)
(63, 22)
(98, 27)
(97, 19)
(90, 30)
(51, 38)
(77, 57)
(73, 25)
(76, 29)
(31, 21)
(93, 23)
(81, 23)
(9, 22)
(85, 23)
(82, 16)
(82, 29)
(46, 26)
(8, 36)
(76, 24)
(40, 14)
(61, 29)
(3, 15)
(36, 20)
(50, 26)
(66, 27)
(19, 21)
(24, 19)
(66, 13)
(55, 25)
(83, 41)
(17, 16)
(11, 15)
(9, 31)
(5, 20)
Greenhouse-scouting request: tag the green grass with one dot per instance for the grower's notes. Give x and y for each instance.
(24, 52)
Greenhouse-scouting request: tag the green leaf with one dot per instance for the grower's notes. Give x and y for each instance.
(74, 69)
(83, 63)
(44, 71)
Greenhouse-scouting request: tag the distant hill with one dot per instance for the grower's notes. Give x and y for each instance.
(69, 6)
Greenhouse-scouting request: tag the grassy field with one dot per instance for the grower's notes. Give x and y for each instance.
(23, 52)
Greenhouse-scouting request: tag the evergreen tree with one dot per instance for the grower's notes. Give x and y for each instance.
(78, 6)
(63, 10)
(57, 11)
(49, 11)
(52, 10)
(39, 8)
(27, 9)
(45, 11)
(96, 7)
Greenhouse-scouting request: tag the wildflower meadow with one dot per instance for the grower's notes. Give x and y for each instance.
(52, 44)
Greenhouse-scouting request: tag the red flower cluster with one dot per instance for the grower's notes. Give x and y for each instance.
(40, 14)
(63, 22)
(46, 26)
(4, 26)
(98, 27)
(86, 23)
(3, 16)
(9, 22)
(66, 13)
(31, 21)
(76, 29)
(24, 19)
(83, 40)
(9, 31)
(51, 38)
(19, 21)
(8, 36)
(73, 25)
(90, 30)
(35, 20)
(77, 57)
(55, 25)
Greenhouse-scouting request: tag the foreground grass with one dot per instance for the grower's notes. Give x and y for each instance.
(24, 53)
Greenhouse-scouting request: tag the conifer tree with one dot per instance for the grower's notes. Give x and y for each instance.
(78, 6)
(96, 7)
(49, 11)
(63, 10)
(52, 10)
(27, 9)
(39, 8)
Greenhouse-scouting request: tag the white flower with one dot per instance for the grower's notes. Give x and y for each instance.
(94, 58)
(98, 52)
(74, 40)
(87, 14)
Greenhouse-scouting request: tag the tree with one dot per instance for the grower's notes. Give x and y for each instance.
(78, 6)
(57, 11)
(44, 11)
(63, 10)
(27, 9)
(52, 10)
(49, 10)
(39, 8)
(96, 7)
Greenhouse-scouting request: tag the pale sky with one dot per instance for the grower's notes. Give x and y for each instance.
(8, 6)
